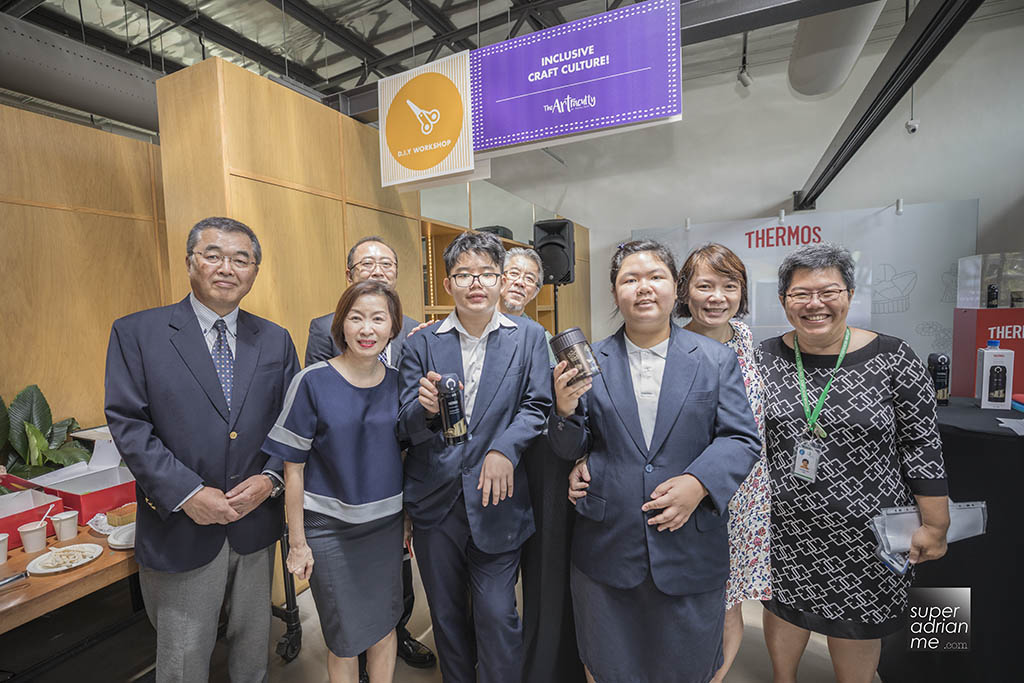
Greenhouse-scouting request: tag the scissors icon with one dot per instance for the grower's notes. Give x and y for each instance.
(427, 119)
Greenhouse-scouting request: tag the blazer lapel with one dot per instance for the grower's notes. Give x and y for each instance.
(615, 369)
(187, 338)
(247, 356)
(500, 350)
(680, 370)
(444, 356)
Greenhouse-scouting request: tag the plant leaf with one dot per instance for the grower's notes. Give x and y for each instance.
(12, 460)
(29, 406)
(37, 445)
(27, 471)
(59, 431)
(5, 424)
(68, 454)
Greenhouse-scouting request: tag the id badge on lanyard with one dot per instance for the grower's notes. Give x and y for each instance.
(808, 449)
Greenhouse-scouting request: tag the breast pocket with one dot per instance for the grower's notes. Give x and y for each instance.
(699, 396)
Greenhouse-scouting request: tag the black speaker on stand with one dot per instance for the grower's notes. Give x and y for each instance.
(554, 239)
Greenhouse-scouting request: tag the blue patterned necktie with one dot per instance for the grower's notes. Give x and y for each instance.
(223, 361)
(383, 356)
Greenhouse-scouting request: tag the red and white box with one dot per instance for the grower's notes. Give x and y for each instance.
(22, 507)
(972, 328)
(97, 486)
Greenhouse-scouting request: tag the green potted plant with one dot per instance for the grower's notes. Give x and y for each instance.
(31, 443)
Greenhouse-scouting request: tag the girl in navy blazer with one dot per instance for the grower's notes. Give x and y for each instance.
(667, 436)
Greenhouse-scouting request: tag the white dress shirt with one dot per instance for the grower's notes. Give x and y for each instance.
(474, 349)
(646, 367)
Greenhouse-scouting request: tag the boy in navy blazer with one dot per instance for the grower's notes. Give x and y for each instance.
(192, 389)
(469, 503)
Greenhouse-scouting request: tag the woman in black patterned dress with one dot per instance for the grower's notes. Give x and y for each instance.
(874, 444)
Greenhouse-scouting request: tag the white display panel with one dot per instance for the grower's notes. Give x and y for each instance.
(906, 264)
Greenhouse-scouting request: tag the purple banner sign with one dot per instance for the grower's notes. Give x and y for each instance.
(607, 70)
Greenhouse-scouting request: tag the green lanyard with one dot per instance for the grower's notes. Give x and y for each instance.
(812, 418)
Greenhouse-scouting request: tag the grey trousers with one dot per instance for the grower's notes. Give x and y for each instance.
(184, 608)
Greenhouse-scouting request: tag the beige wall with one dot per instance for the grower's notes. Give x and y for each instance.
(80, 245)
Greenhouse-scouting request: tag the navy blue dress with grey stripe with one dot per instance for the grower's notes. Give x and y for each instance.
(352, 503)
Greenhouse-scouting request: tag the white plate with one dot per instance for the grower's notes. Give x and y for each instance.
(100, 525)
(36, 566)
(122, 538)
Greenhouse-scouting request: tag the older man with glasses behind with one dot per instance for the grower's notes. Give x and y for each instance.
(521, 280)
(372, 259)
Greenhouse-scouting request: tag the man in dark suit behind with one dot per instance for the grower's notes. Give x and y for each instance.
(192, 389)
(372, 259)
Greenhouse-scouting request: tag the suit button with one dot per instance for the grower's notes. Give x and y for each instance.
(467, 470)
(649, 468)
(233, 435)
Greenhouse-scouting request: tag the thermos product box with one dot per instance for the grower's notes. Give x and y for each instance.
(994, 373)
(572, 346)
(938, 368)
(972, 328)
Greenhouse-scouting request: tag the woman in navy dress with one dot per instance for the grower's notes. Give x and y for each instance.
(343, 485)
(668, 436)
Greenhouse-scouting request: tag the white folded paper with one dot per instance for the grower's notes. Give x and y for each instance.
(895, 527)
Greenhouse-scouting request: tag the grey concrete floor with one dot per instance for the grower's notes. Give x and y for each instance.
(127, 656)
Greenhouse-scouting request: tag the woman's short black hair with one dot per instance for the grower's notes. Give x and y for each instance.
(625, 249)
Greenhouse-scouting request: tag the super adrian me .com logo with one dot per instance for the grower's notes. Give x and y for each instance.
(939, 620)
(569, 103)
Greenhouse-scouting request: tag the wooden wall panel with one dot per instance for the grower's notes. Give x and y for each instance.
(402, 235)
(56, 163)
(66, 277)
(361, 151)
(276, 133)
(574, 301)
(302, 237)
(192, 155)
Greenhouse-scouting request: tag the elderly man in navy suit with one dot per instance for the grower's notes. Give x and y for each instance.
(192, 390)
(469, 503)
(371, 258)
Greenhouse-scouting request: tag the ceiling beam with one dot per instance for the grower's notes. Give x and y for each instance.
(502, 18)
(345, 38)
(703, 20)
(61, 23)
(929, 29)
(437, 21)
(202, 25)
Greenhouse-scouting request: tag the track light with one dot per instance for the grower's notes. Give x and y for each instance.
(899, 206)
(782, 216)
(744, 76)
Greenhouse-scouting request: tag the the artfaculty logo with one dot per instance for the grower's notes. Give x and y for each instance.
(568, 103)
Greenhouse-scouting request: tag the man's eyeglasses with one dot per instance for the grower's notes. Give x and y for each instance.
(215, 258)
(824, 296)
(466, 279)
(527, 278)
(368, 265)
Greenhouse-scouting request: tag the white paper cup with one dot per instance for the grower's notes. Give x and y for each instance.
(66, 524)
(3, 548)
(33, 536)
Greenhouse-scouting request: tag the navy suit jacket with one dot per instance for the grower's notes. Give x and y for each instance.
(704, 427)
(172, 426)
(511, 408)
(320, 344)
